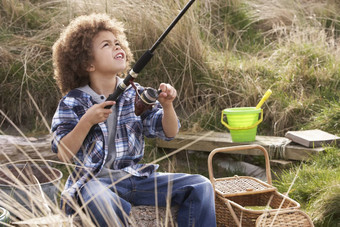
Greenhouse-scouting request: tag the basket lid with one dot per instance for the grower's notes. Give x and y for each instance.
(241, 185)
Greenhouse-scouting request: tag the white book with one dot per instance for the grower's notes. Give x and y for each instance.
(312, 138)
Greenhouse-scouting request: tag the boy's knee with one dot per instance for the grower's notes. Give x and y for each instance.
(202, 185)
(94, 191)
(202, 180)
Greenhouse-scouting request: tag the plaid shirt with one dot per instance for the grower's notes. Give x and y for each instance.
(91, 157)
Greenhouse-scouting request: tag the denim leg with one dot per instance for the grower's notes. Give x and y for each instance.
(193, 193)
(104, 205)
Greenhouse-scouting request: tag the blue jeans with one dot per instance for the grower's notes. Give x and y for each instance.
(111, 205)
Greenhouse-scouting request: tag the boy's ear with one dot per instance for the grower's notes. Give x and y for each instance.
(90, 68)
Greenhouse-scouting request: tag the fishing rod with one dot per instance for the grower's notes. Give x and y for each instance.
(141, 63)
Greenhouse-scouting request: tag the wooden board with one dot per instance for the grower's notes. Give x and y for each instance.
(312, 138)
(17, 148)
(277, 147)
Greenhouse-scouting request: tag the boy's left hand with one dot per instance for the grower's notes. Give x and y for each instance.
(168, 94)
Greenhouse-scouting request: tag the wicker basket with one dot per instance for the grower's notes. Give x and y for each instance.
(295, 218)
(232, 211)
(233, 194)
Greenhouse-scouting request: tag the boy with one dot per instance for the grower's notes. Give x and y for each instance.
(107, 144)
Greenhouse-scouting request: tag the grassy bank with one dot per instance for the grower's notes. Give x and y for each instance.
(220, 55)
(317, 187)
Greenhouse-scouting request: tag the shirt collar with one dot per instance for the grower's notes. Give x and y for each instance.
(98, 98)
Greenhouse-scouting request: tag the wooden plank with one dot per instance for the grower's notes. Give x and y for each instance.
(281, 163)
(277, 147)
(17, 148)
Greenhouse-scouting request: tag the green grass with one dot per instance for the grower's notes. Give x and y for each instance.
(326, 118)
(220, 55)
(316, 187)
(325, 206)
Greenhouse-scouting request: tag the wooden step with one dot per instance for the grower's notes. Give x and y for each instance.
(277, 147)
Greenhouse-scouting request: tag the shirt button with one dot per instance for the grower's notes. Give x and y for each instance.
(102, 97)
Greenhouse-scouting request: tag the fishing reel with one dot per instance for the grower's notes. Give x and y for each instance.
(145, 99)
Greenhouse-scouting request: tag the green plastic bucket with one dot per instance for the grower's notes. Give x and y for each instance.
(242, 122)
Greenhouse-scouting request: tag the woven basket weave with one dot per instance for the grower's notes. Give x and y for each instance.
(233, 194)
(296, 218)
(231, 186)
(226, 208)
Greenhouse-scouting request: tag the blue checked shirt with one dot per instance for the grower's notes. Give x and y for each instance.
(91, 157)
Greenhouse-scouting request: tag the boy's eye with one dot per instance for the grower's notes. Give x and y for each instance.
(106, 44)
(117, 44)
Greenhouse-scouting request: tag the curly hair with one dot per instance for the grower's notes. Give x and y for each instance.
(72, 52)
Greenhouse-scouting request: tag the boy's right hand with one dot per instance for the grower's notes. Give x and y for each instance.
(97, 113)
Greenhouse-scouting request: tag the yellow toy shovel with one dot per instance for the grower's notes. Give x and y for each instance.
(264, 98)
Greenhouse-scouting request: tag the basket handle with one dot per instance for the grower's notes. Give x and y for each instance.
(238, 148)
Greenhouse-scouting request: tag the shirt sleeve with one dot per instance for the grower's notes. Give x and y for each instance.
(64, 120)
(152, 123)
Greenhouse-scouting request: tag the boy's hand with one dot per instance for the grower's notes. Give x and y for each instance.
(97, 113)
(167, 96)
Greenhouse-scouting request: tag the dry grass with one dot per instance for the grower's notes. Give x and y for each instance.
(220, 55)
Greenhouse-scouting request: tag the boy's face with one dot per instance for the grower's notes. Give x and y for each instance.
(109, 57)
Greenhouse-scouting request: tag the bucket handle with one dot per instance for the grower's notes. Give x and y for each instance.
(238, 128)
